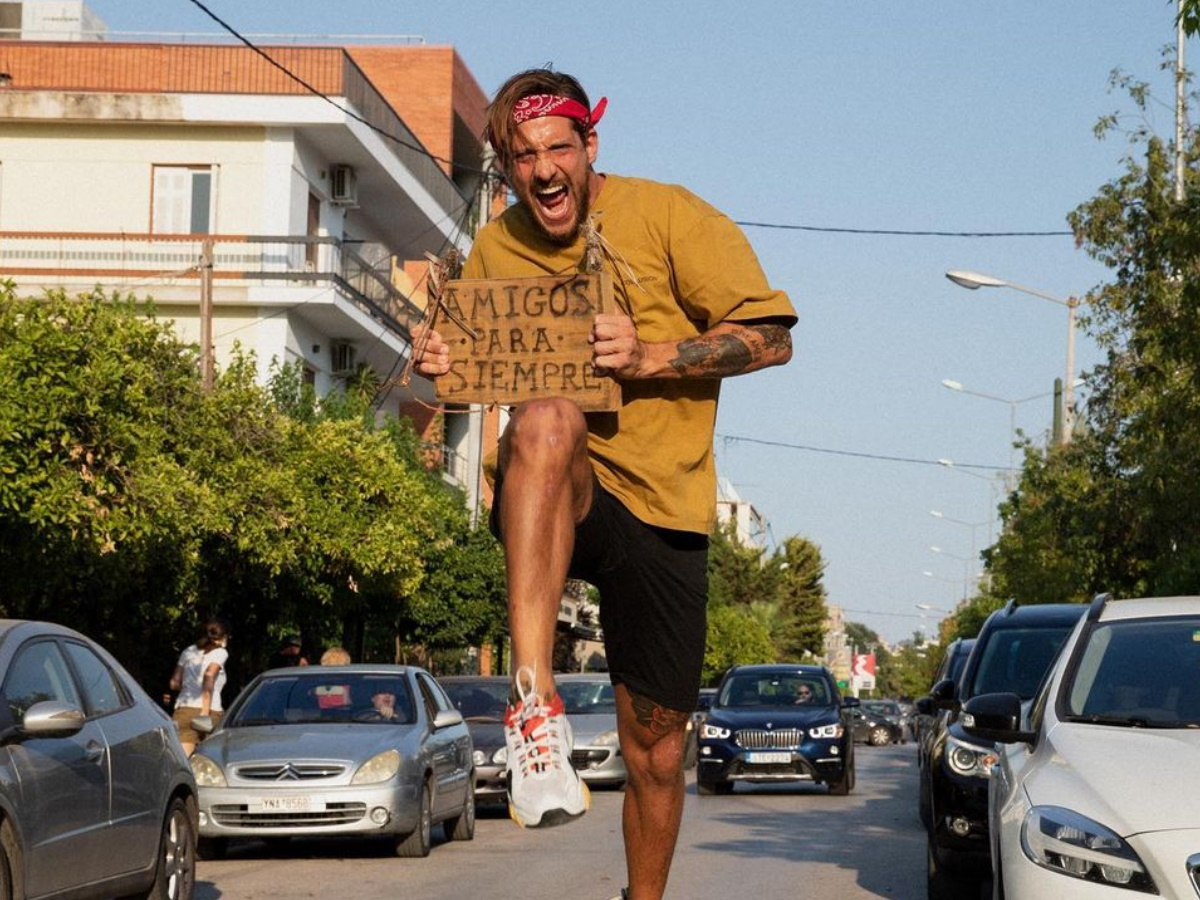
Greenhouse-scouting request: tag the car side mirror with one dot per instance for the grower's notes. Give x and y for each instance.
(203, 724)
(925, 706)
(944, 695)
(848, 702)
(995, 717)
(51, 718)
(446, 718)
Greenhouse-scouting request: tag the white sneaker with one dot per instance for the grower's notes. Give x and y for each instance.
(543, 787)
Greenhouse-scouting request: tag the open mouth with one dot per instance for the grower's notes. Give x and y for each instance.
(553, 200)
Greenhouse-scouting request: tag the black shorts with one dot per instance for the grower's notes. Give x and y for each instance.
(653, 585)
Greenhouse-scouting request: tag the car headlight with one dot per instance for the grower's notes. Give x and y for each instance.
(835, 730)
(206, 772)
(970, 759)
(1065, 841)
(607, 739)
(378, 768)
(479, 758)
(714, 732)
(500, 757)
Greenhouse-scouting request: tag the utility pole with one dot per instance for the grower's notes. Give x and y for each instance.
(206, 314)
(1180, 101)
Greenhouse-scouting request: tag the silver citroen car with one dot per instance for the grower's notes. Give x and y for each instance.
(362, 750)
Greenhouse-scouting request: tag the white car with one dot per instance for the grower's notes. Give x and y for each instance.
(1096, 794)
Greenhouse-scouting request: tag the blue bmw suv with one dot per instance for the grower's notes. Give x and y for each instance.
(776, 723)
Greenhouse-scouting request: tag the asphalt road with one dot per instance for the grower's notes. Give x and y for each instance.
(760, 843)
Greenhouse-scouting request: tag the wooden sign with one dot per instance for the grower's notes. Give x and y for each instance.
(529, 340)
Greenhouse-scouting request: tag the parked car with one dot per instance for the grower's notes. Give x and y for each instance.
(950, 668)
(482, 700)
(591, 708)
(95, 790)
(691, 740)
(760, 728)
(338, 750)
(894, 710)
(874, 728)
(1013, 652)
(1095, 789)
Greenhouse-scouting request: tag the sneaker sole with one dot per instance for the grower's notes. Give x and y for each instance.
(552, 817)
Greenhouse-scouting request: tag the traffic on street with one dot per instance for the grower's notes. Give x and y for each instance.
(762, 840)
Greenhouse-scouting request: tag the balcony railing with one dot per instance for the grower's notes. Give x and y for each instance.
(117, 259)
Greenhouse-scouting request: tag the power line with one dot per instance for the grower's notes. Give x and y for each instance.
(416, 148)
(734, 438)
(496, 176)
(906, 233)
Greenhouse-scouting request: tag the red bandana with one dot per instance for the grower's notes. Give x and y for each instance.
(534, 106)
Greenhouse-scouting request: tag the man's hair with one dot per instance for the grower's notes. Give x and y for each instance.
(501, 129)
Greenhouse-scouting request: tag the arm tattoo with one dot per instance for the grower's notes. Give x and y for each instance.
(720, 355)
(656, 718)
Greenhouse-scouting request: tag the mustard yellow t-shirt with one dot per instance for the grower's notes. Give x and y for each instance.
(679, 267)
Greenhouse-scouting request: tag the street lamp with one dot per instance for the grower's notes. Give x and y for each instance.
(973, 281)
(1012, 413)
(929, 607)
(938, 514)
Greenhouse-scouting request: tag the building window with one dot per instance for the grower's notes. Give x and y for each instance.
(183, 200)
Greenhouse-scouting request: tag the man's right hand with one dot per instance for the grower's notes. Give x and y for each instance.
(431, 355)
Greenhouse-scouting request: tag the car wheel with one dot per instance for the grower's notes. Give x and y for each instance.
(706, 788)
(879, 736)
(416, 845)
(212, 848)
(923, 800)
(10, 862)
(462, 826)
(175, 874)
(845, 784)
(943, 884)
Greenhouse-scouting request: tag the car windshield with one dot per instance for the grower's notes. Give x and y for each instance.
(479, 699)
(959, 663)
(587, 697)
(325, 697)
(1014, 660)
(886, 707)
(774, 690)
(1139, 673)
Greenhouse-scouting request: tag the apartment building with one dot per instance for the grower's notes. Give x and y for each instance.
(281, 200)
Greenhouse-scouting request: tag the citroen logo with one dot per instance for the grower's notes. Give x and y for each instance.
(288, 773)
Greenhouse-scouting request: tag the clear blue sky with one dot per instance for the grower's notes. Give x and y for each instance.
(935, 115)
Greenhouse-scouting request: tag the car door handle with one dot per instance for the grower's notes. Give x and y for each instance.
(94, 752)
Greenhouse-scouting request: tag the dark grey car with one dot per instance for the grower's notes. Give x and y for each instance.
(482, 700)
(95, 790)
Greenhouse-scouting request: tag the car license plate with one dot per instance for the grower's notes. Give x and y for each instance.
(766, 758)
(287, 804)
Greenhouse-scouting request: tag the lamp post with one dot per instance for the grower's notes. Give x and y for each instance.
(1013, 403)
(974, 281)
(965, 560)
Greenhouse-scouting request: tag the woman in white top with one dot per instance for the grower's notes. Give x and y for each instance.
(199, 677)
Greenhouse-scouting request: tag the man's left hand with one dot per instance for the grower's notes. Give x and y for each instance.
(616, 349)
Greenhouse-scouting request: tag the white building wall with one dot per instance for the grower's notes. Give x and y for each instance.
(68, 177)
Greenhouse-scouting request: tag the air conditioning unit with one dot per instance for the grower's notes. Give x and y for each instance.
(343, 357)
(343, 186)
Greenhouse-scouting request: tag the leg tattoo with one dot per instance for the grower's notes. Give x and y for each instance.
(655, 717)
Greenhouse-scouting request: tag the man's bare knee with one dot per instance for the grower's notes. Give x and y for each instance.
(545, 428)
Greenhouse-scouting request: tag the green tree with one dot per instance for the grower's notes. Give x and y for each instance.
(735, 637)
(133, 504)
(801, 593)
